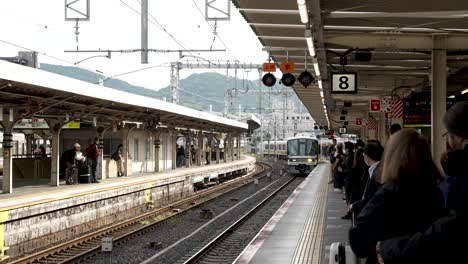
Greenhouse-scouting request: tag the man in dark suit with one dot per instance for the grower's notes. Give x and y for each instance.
(372, 156)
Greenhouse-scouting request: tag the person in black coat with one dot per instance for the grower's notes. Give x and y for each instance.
(348, 170)
(409, 200)
(372, 156)
(442, 242)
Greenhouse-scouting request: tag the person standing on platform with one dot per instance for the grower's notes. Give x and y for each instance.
(208, 153)
(409, 199)
(331, 154)
(193, 152)
(442, 242)
(372, 155)
(117, 156)
(92, 153)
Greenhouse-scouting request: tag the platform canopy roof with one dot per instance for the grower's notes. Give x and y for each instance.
(36, 93)
(398, 34)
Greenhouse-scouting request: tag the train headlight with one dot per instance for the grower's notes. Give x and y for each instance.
(309, 160)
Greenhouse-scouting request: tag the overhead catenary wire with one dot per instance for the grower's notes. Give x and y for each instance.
(219, 38)
(47, 55)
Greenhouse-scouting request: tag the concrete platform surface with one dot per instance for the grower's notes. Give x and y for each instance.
(32, 195)
(295, 233)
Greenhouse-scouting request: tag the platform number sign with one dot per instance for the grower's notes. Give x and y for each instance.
(344, 82)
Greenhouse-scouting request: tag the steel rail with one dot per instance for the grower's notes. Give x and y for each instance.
(89, 244)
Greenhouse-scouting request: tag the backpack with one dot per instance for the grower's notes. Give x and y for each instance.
(115, 156)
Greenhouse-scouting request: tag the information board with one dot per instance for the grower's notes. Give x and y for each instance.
(417, 112)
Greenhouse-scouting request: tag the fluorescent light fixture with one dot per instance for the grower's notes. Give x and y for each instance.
(451, 96)
(464, 91)
(310, 42)
(320, 84)
(321, 94)
(316, 68)
(301, 5)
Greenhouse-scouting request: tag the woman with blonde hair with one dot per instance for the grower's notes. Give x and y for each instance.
(409, 200)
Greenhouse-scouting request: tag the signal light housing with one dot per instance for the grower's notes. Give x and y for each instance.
(306, 78)
(288, 79)
(269, 79)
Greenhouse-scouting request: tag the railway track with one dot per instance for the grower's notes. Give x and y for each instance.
(89, 245)
(226, 247)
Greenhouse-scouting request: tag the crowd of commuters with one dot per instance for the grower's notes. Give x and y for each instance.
(406, 209)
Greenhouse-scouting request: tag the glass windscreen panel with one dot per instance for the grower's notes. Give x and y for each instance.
(302, 147)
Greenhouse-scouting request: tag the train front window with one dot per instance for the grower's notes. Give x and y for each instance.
(302, 147)
(293, 147)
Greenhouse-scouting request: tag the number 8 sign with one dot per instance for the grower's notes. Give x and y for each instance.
(344, 82)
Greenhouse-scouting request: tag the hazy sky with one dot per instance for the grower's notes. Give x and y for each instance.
(40, 25)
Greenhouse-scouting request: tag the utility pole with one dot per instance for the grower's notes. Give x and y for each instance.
(284, 114)
(175, 82)
(260, 107)
(226, 94)
(274, 133)
(144, 31)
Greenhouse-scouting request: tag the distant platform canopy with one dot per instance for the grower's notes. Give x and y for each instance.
(34, 93)
(253, 123)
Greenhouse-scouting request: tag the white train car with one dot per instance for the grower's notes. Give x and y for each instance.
(272, 148)
(303, 152)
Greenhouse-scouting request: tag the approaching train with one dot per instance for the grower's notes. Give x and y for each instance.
(303, 153)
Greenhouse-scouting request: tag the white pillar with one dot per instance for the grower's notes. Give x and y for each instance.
(231, 147)
(438, 93)
(125, 133)
(55, 159)
(7, 158)
(188, 152)
(174, 149)
(100, 160)
(381, 131)
(238, 147)
(200, 148)
(156, 144)
(210, 140)
(225, 149)
(217, 149)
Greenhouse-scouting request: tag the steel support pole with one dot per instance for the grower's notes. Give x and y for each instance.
(144, 31)
(7, 184)
(438, 93)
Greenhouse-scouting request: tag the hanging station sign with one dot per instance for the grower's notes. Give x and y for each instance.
(344, 82)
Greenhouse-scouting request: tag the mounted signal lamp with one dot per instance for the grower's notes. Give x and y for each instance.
(344, 112)
(345, 123)
(288, 79)
(306, 78)
(342, 117)
(269, 79)
(348, 104)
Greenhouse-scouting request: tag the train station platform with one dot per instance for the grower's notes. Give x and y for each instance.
(39, 216)
(302, 230)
